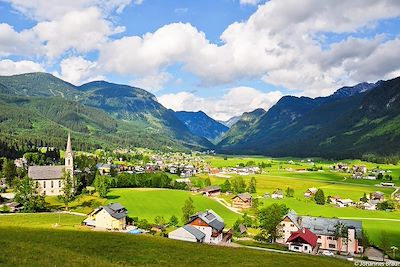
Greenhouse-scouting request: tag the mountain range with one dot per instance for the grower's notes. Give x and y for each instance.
(37, 109)
(352, 122)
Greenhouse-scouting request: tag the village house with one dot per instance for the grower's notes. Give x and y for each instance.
(111, 217)
(242, 201)
(277, 194)
(303, 241)
(203, 227)
(310, 192)
(50, 179)
(211, 191)
(324, 229)
(342, 203)
(377, 196)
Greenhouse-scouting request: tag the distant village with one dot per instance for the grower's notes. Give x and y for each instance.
(305, 234)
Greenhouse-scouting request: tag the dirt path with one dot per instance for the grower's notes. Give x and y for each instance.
(226, 205)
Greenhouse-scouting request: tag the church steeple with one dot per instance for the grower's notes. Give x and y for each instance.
(69, 156)
(69, 147)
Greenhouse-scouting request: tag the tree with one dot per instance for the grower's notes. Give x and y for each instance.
(289, 192)
(247, 220)
(364, 198)
(236, 227)
(380, 176)
(386, 205)
(270, 218)
(173, 221)
(226, 186)
(27, 194)
(207, 181)
(187, 210)
(393, 248)
(159, 220)
(319, 197)
(252, 185)
(68, 188)
(101, 185)
(9, 170)
(238, 185)
(143, 224)
(341, 234)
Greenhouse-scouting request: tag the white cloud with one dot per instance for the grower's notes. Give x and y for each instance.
(236, 101)
(280, 44)
(53, 9)
(249, 2)
(138, 2)
(9, 67)
(20, 43)
(152, 83)
(81, 31)
(78, 70)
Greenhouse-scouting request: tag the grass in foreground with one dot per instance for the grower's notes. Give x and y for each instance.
(46, 247)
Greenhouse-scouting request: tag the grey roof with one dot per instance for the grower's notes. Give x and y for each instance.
(244, 196)
(199, 235)
(116, 210)
(211, 188)
(45, 172)
(323, 226)
(211, 218)
(326, 226)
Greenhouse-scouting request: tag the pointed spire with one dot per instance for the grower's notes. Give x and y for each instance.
(69, 147)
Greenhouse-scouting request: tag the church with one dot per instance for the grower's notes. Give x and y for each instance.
(50, 178)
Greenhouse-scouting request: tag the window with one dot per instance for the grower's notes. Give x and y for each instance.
(332, 246)
(319, 237)
(291, 225)
(52, 184)
(59, 183)
(44, 184)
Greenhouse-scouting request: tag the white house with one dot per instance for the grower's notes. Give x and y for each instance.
(111, 217)
(208, 223)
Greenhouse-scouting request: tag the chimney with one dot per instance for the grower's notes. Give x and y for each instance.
(304, 230)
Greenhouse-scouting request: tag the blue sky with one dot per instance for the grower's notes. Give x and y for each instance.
(223, 57)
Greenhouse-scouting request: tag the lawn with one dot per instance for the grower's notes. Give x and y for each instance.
(149, 203)
(49, 247)
(41, 220)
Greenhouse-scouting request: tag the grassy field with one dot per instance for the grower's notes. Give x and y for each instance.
(42, 220)
(49, 247)
(149, 203)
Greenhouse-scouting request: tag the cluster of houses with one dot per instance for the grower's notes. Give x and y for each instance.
(243, 171)
(359, 171)
(313, 234)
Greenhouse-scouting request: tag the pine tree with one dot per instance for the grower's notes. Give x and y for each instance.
(319, 197)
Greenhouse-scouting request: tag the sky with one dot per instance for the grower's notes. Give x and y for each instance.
(223, 57)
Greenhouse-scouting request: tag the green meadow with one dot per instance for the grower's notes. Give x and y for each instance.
(149, 203)
(28, 246)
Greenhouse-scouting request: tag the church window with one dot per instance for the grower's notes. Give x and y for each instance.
(69, 162)
(59, 183)
(44, 184)
(52, 184)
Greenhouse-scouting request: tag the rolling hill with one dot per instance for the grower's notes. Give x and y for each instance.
(38, 109)
(352, 122)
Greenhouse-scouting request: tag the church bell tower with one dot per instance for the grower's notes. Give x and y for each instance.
(69, 157)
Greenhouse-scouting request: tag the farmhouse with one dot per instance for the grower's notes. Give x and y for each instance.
(211, 191)
(303, 240)
(203, 227)
(310, 192)
(242, 201)
(324, 229)
(111, 217)
(49, 179)
(277, 194)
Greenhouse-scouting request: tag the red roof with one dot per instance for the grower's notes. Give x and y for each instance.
(305, 235)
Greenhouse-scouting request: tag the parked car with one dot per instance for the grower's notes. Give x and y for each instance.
(327, 253)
